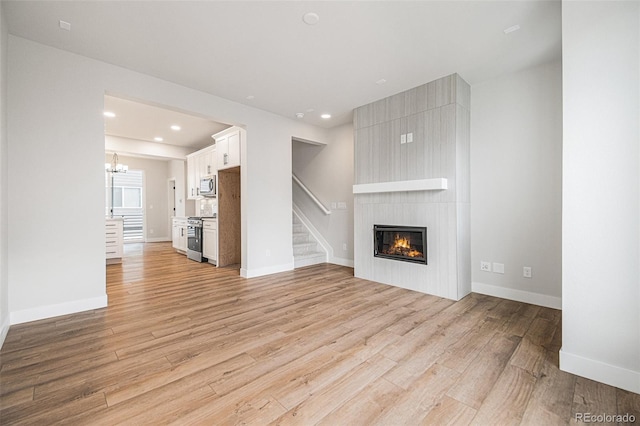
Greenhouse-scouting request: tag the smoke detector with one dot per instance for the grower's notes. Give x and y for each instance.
(311, 18)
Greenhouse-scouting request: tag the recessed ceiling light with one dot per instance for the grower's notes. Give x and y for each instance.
(381, 81)
(158, 139)
(175, 127)
(512, 29)
(299, 114)
(311, 18)
(326, 116)
(109, 114)
(250, 97)
(64, 25)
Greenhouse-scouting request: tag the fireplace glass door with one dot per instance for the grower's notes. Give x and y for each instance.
(403, 243)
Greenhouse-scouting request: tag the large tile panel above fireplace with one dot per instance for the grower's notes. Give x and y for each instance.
(412, 170)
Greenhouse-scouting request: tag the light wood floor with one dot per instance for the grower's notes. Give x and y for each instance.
(187, 343)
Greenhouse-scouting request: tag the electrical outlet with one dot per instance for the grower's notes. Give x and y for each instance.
(485, 266)
(526, 272)
(344, 246)
(498, 268)
(409, 137)
(403, 138)
(333, 205)
(342, 205)
(268, 253)
(151, 231)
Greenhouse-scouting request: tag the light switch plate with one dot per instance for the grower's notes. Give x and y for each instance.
(498, 268)
(409, 137)
(403, 138)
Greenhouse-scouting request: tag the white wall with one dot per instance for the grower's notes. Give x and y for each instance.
(156, 195)
(56, 100)
(4, 221)
(601, 192)
(516, 184)
(327, 170)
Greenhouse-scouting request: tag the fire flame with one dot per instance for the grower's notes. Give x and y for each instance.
(402, 247)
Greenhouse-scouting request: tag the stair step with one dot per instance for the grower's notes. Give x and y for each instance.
(312, 258)
(303, 248)
(306, 251)
(301, 237)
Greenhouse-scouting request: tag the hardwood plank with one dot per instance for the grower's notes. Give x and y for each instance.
(628, 403)
(448, 411)
(183, 342)
(592, 397)
(20, 396)
(459, 355)
(200, 372)
(411, 407)
(418, 362)
(368, 404)
(507, 401)
(319, 405)
(552, 398)
(479, 378)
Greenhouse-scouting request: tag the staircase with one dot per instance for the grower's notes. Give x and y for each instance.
(306, 250)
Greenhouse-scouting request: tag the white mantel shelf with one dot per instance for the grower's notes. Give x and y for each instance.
(402, 185)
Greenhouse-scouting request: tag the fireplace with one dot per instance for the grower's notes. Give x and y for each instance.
(404, 243)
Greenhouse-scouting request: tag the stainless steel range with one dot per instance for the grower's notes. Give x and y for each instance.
(194, 239)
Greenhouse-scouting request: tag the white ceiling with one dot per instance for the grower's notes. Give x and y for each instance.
(136, 120)
(265, 50)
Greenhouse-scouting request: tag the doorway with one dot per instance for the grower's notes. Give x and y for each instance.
(127, 202)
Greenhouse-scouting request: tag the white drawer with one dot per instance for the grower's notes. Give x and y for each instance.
(113, 238)
(113, 252)
(209, 224)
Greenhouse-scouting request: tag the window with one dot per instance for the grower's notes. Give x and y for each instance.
(124, 197)
(127, 202)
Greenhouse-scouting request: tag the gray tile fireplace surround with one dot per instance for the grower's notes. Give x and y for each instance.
(403, 144)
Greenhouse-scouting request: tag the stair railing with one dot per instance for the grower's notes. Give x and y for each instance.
(310, 194)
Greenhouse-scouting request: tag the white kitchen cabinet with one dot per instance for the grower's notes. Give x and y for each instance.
(207, 162)
(113, 230)
(228, 148)
(192, 179)
(210, 240)
(179, 234)
(200, 164)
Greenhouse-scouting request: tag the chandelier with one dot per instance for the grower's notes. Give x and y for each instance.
(115, 166)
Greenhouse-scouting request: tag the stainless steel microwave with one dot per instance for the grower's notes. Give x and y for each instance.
(208, 186)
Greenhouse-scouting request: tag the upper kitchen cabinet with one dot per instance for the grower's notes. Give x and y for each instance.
(228, 147)
(200, 164)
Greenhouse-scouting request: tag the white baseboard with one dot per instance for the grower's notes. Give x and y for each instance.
(4, 329)
(599, 371)
(259, 272)
(341, 261)
(517, 295)
(43, 312)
